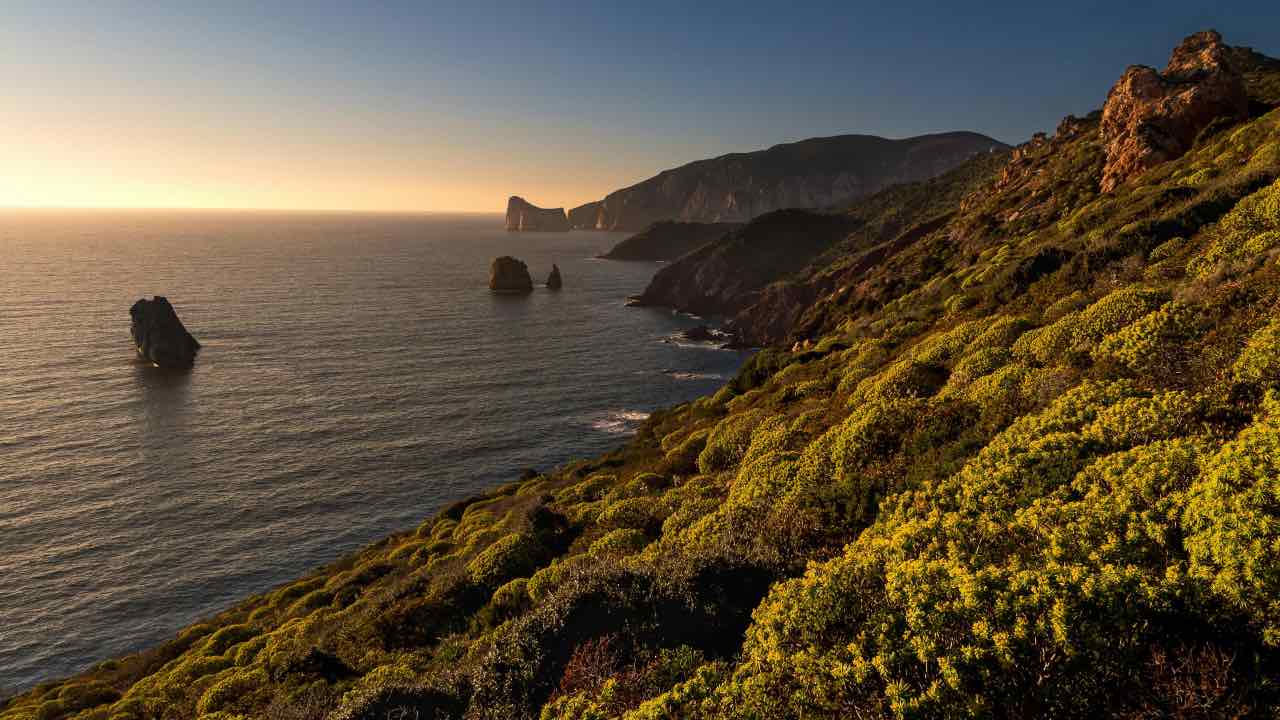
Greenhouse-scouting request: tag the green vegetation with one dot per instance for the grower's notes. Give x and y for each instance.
(1023, 462)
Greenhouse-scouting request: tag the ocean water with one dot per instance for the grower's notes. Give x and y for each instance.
(356, 376)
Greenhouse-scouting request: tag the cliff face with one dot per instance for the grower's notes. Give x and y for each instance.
(524, 216)
(668, 240)
(1151, 117)
(815, 173)
(584, 217)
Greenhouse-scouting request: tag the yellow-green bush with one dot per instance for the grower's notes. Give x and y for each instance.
(1259, 362)
(684, 457)
(1147, 344)
(1250, 228)
(1233, 527)
(729, 441)
(511, 556)
(228, 689)
(622, 541)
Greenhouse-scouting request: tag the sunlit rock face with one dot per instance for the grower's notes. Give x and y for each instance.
(523, 216)
(160, 336)
(509, 275)
(1153, 117)
(814, 173)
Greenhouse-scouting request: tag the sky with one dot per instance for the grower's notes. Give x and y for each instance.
(442, 106)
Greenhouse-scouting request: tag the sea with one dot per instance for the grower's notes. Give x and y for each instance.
(356, 375)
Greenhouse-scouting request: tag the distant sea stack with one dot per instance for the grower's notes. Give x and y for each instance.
(509, 275)
(554, 281)
(523, 216)
(816, 173)
(160, 336)
(668, 240)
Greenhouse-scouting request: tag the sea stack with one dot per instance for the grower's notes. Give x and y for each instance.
(554, 281)
(160, 336)
(524, 216)
(509, 275)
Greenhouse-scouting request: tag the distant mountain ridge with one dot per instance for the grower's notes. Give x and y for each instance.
(814, 173)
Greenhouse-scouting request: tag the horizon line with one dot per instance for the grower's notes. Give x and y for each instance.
(185, 208)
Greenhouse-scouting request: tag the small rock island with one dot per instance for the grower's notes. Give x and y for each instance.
(554, 281)
(524, 216)
(160, 336)
(509, 275)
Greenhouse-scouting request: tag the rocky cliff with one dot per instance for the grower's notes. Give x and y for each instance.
(524, 216)
(1153, 117)
(160, 336)
(668, 240)
(814, 173)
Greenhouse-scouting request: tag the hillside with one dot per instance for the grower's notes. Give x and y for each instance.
(668, 240)
(813, 173)
(1020, 457)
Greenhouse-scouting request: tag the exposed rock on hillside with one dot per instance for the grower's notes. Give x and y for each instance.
(1152, 117)
(509, 275)
(523, 216)
(160, 336)
(554, 281)
(668, 240)
(814, 173)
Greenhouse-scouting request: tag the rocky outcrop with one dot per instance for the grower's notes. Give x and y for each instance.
(668, 240)
(1152, 117)
(523, 216)
(160, 336)
(554, 281)
(509, 275)
(816, 173)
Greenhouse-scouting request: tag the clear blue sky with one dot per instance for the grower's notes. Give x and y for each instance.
(439, 106)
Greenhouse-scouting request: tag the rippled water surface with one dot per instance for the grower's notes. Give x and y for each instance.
(356, 375)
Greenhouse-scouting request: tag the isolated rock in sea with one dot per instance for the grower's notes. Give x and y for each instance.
(699, 333)
(554, 281)
(509, 275)
(160, 336)
(1152, 117)
(524, 216)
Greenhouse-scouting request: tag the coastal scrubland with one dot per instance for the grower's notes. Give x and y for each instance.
(1021, 460)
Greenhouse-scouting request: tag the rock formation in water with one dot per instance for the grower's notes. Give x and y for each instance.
(509, 275)
(1152, 117)
(160, 336)
(668, 240)
(814, 173)
(554, 281)
(524, 216)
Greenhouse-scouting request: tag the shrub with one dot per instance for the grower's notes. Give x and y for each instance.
(228, 689)
(684, 458)
(1233, 534)
(1250, 228)
(619, 542)
(511, 556)
(638, 513)
(729, 441)
(219, 642)
(1259, 362)
(1149, 343)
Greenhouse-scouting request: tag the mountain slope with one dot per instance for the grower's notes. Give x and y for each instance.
(1021, 463)
(814, 173)
(668, 240)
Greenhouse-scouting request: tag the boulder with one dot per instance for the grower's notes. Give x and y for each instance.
(509, 275)
(1152, 117)
(523, 216)
(160, 336)
(554, 281)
